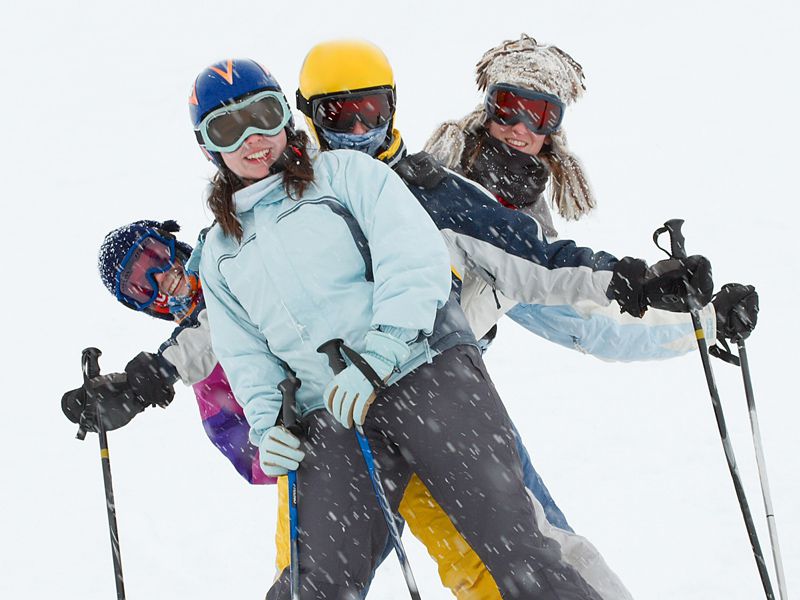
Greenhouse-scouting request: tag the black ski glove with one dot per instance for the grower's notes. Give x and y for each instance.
(737, 311)
(151, 378)
(635, 286)
(420, 169)
(119, 403)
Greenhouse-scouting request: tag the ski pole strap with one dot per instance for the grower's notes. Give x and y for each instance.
(723, 352)
(334, 349)
(365, 368)
(81, 435)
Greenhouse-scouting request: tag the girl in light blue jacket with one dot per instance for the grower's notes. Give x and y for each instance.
(309, 247)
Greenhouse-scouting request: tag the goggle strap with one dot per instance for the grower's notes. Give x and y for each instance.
(524, 93)
(309, 102)
(303, 105)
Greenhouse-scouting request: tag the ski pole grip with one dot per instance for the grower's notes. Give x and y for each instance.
(678, 250)
(677, 242)
(288, 387)
(90, 364)
(332, 349)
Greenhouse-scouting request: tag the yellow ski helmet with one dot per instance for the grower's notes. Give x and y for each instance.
(341, 67)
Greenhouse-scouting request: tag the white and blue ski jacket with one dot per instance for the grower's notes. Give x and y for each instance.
(551, 287)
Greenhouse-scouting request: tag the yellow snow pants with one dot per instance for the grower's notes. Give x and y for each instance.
(460, 569)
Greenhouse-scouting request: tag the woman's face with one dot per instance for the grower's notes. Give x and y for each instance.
(518, 137)
(253, 159)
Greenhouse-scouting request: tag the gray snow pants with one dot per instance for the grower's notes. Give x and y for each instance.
(445, 422)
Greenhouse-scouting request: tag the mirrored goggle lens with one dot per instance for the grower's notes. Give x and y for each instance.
(542, 115)
(339, 113)
(136, 280)
(226, 129)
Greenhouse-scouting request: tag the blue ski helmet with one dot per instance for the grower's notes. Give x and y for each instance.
(225, 82)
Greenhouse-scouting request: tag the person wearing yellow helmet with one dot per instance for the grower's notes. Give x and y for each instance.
(348, 96)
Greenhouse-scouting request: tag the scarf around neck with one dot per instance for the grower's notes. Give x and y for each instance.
(516, 178)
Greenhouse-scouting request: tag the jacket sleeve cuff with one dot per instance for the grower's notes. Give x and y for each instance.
(390, 348)
(167, 370)
(401, 333)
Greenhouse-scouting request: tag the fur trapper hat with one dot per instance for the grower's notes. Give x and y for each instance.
(529, 65)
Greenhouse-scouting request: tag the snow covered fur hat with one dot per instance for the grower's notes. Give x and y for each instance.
(527, 64)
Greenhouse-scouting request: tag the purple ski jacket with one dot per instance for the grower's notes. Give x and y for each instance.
(188, 351)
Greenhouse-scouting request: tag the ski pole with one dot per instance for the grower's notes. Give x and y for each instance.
(678, 250)
(91, 369)
(333, 349)
(743, 363)
(288, 387)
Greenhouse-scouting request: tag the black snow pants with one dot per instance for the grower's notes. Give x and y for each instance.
(445, 422)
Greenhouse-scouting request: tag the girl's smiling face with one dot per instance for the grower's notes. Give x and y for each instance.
(253, 159)
(518, 137)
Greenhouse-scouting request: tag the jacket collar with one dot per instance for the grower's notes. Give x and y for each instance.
(395, 152)
(269, 189)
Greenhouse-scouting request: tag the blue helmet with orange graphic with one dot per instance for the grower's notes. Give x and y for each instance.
(235, 85)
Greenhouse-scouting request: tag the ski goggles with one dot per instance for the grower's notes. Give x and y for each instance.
(136, 282)
(339, 112)
(508, 105)
(225, 129)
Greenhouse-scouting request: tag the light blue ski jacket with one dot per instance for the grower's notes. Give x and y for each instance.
(324, 266)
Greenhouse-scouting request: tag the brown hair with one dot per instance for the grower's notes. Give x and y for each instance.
(297, 171)
(473, 144)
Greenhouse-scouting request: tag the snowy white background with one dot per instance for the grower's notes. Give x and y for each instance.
(691, 112)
